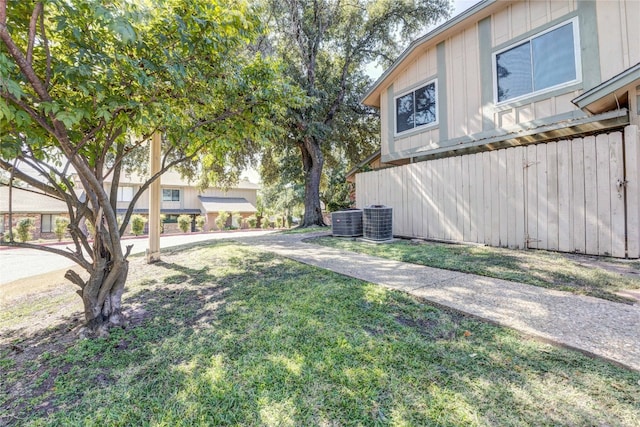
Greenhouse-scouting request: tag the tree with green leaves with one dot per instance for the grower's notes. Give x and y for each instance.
(85, 83)
(326, 45)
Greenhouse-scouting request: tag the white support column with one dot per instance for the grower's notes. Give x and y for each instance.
(155, 197)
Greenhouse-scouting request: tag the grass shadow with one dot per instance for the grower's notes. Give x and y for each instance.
(232, 336)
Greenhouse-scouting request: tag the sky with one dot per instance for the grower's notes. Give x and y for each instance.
(462, 5)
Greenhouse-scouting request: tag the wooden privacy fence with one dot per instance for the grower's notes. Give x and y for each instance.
(579, 195)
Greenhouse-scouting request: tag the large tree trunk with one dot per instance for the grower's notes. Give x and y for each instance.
(312, 162)
(102, 293)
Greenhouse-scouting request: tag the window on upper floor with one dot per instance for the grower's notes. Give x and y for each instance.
(169, 195)
(125, 194)
(417, 108)
(543, 62)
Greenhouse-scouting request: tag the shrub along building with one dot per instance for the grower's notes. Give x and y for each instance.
(179, 197)
(519, 121)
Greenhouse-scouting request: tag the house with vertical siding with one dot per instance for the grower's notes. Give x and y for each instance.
(515, 124)
(180, 197)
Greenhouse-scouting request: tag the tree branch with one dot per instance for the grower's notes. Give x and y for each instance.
(37, 10)
(67, 254)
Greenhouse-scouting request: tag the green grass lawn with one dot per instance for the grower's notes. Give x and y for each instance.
(535, 267)
(226, 335)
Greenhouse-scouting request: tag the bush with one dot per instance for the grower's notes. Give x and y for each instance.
(252, 221)
(137, 224)
(61, 225)
(23, 229)
(184, 223)
(264, 222)
(221, 219)
(200, 220)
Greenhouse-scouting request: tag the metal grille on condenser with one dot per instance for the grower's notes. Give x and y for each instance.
(377, 222)
(347, 223)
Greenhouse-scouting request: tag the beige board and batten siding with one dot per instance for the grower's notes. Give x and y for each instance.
(562, 196)
(610, 43)
(618, 36)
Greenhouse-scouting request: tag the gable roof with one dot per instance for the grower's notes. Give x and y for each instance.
(474, 13)
(29, 201)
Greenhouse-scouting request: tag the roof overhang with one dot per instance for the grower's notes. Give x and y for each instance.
(362, 164)
(609, 94)
(227, 204)
(475, 13)
(609, 121)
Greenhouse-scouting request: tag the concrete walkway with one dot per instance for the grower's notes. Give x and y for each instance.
(594, 326)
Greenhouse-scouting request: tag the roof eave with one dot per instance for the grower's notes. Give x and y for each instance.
(370, 97)
(626, 78)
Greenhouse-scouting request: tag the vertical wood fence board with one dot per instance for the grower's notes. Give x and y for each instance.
(541, 170)
(400, 201)
(449, 205)
(486, 171)
(512, 201)
(531, 187)
(407, 201)
(459, 201)
(617, 195)
(495, 198)
(417, 200)
(397, 200)
(420, 172)
(604, 194)
(552, 196)
(438, 189)
(519, 196)
(590, 195)
(466, 197)
(471, 233)
(564, 196)
(632, 152)
(503, 199)
(428, 199)
(478, 198)
(577, 196)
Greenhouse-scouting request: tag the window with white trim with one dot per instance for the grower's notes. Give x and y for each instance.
(125, 194)
(543, 62)
(417, 108)
(169, 195)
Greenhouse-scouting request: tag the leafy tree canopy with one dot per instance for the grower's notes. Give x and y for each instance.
(325, 46)
(85, 83)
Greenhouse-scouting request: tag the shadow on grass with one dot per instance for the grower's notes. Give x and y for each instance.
(246, 338)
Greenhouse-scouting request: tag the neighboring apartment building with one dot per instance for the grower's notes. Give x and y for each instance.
(178, 198)
(520, 123)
